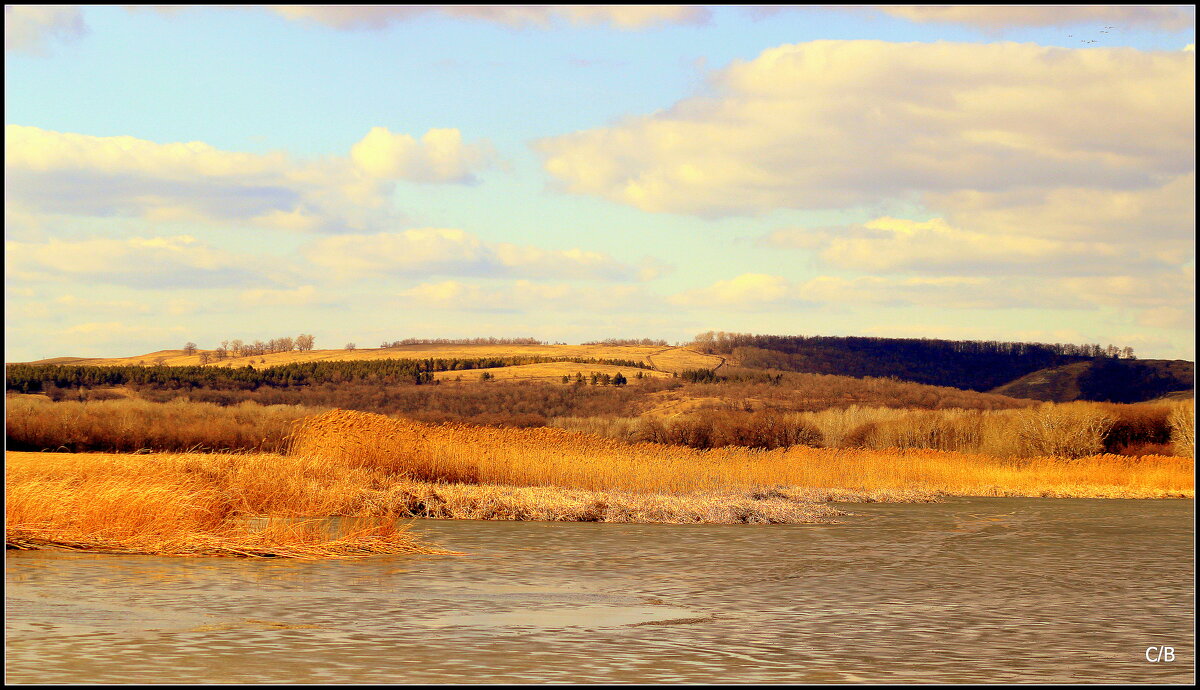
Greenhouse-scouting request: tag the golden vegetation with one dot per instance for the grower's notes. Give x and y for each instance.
(455, 453)
(195, 504)
(34, 423)
(1048, 429)
(1183, 428)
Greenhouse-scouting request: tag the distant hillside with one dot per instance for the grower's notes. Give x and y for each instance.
(668, 359)
(1111, 380)
(968, 364)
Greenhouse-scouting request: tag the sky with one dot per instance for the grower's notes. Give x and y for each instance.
(575, 173)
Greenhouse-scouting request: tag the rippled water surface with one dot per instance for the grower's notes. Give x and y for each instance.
(974, 590)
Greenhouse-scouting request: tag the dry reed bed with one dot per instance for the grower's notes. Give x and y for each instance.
(460, 454)
(1075, 429)
(131, 425)
(191, 505)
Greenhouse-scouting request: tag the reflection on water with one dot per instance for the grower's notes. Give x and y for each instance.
(972, 590)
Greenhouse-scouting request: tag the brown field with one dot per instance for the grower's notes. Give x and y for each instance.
(669, 359)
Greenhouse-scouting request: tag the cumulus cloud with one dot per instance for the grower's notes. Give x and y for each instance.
(29, 28)
(841, 123)
(545, 16)
(1165, 212)
(994, 17)
(748, 289)
(524, 295)
(438, 156)
(138, 262)
(78, 174)
(934, 247)
(450, 251)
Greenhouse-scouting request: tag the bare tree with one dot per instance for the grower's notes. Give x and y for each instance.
(350, 346)
(304, 342)
(189, 348)
(204, 357)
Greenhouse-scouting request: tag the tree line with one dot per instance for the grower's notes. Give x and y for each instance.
(237, 348)
(615, 342)
(461, 341)
(31, 378)
(968, 364)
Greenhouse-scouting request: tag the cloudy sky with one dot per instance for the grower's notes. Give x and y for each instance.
(574, 173)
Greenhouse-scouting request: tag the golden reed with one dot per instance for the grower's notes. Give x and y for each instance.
(457, 453)
(195, 505)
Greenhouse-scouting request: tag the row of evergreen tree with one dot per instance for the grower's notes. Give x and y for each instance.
(30, 378)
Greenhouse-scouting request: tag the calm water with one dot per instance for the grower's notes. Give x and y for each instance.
(975, 590)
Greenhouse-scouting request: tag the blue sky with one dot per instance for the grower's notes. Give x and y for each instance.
(373, 174)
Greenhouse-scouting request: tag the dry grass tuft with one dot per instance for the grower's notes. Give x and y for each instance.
(1182, 420)
(192, 505)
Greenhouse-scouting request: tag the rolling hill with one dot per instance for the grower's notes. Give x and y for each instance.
(1106, 380)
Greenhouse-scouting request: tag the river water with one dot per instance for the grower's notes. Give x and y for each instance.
(970, 590)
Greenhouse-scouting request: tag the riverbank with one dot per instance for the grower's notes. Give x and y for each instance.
(462, 454)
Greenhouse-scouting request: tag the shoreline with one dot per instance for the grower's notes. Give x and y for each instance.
(193, 504)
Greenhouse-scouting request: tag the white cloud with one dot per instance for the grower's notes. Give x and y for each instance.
(1164, 212)
(77, 174)
(748, 289)
(28, 28)
(450, 251)
(139, 262)
(934, 247)
(517, 16)
(841, 123)
(527, 296)
(770, 292)
(438, 156)
(1164, 17)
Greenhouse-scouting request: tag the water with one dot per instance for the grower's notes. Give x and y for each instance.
(972, 590)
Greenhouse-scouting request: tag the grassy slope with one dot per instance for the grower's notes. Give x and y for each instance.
(665, 359)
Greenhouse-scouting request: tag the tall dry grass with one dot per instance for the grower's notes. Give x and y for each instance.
(1182, 419)
(1063, 430)
(455, 453)
(128, 425)
(196, 504)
